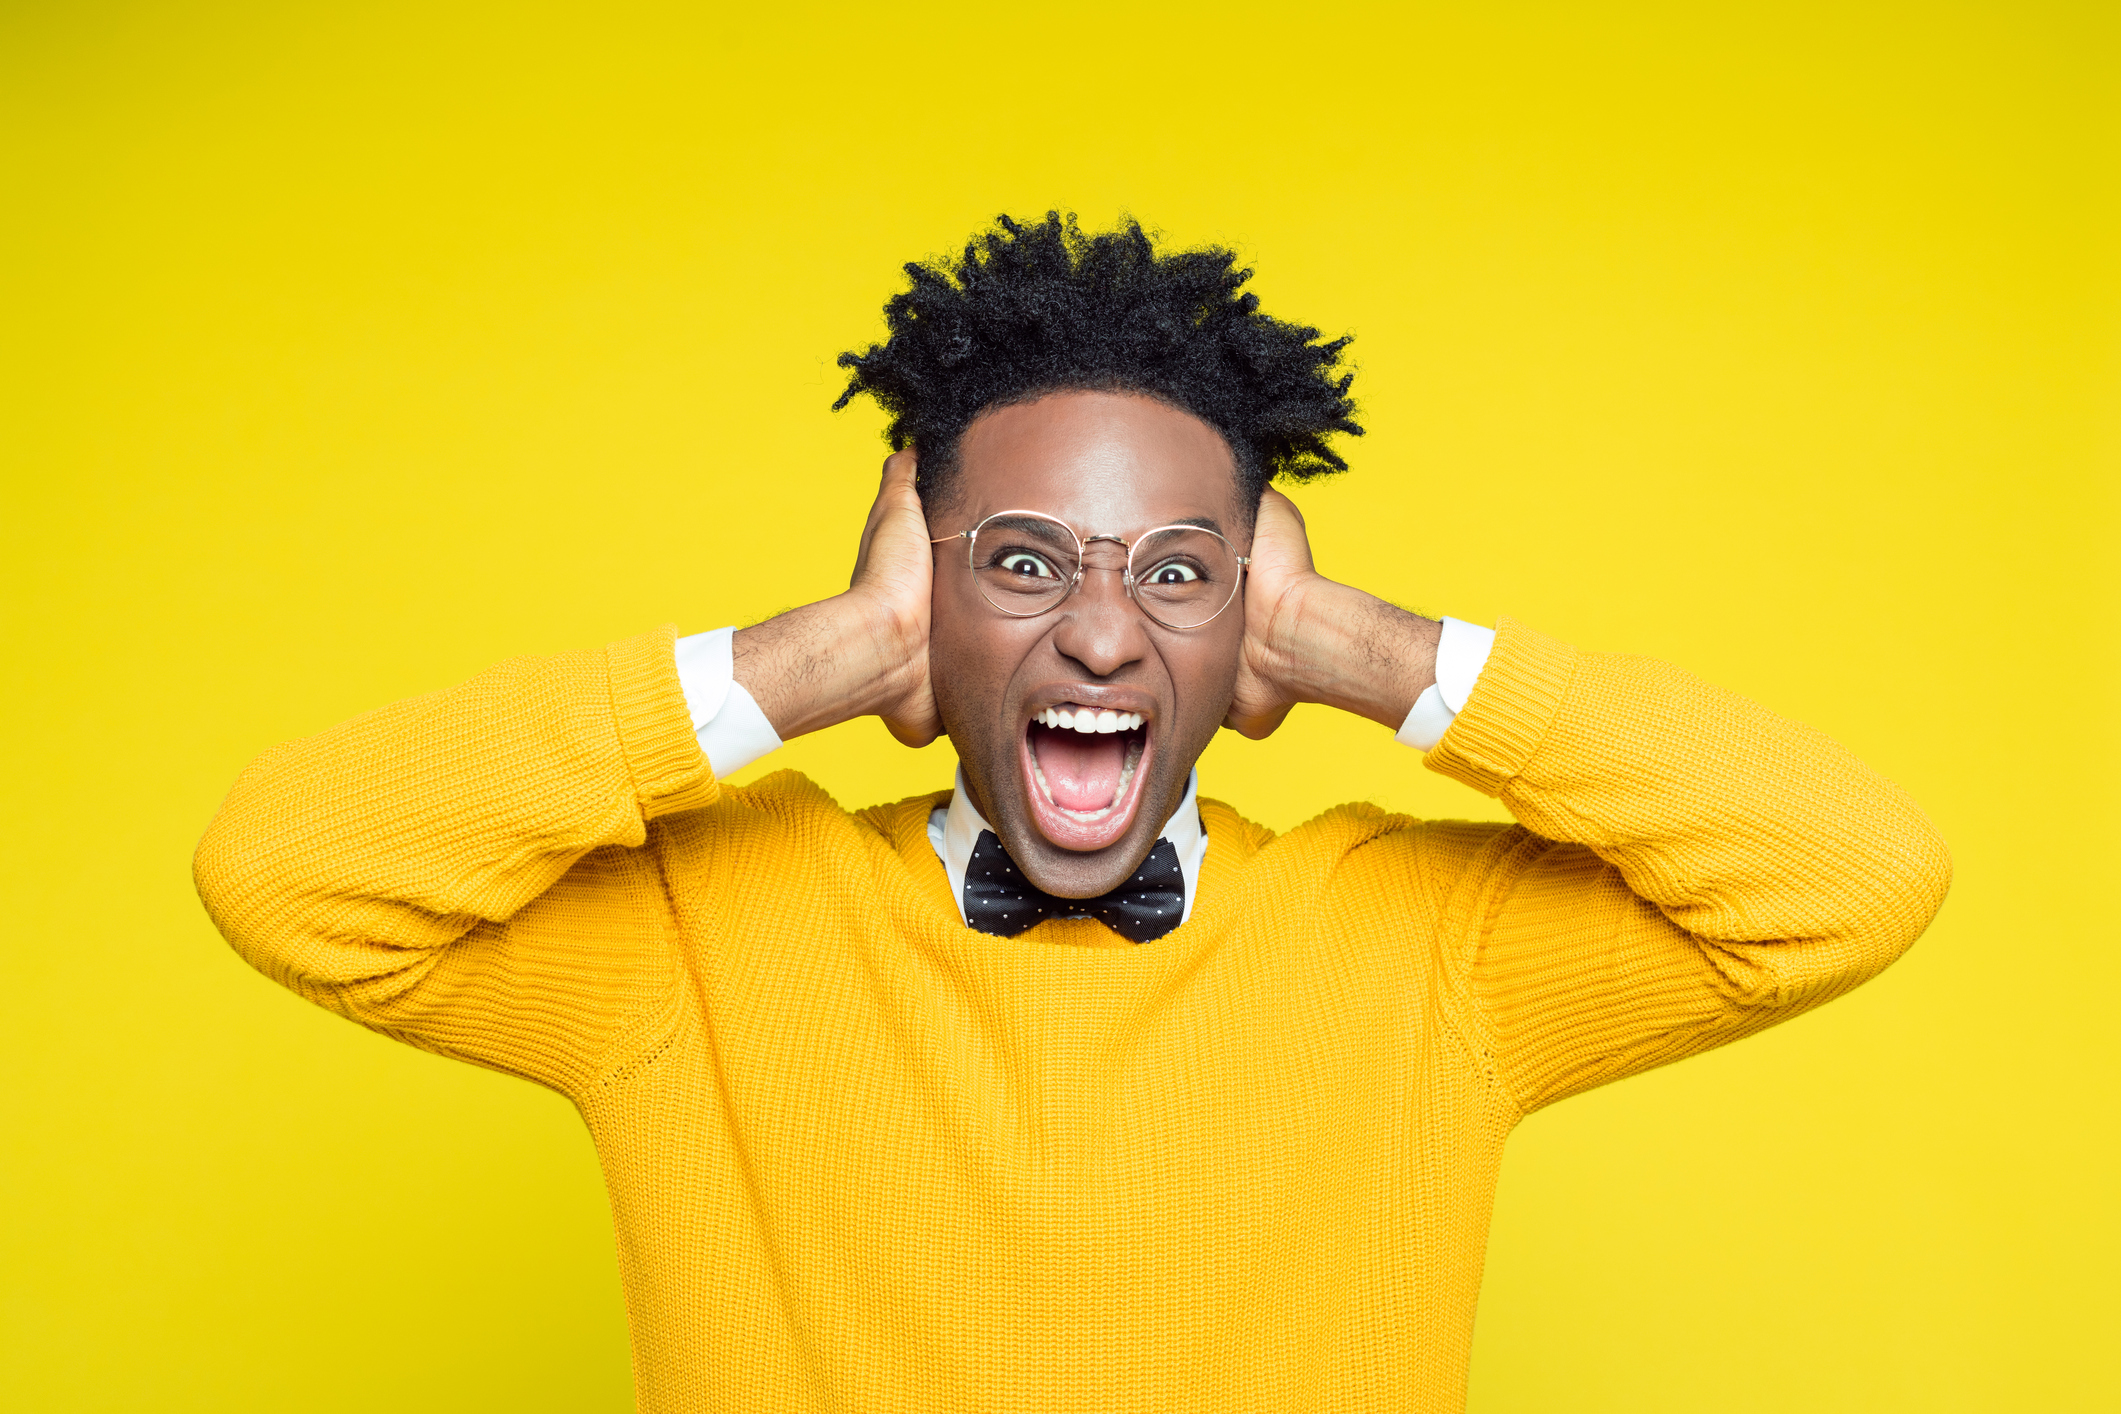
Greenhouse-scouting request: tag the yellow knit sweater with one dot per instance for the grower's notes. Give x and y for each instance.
(863, 1159)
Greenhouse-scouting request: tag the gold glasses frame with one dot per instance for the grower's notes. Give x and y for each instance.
(1082, 547)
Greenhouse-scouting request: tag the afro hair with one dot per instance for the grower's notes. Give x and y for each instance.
(1041, 308)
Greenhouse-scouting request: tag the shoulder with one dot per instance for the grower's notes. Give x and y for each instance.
(902, 825)
(785, 799)
(1229, 830)
(1364, 847)
(785, 836)
(791, 807)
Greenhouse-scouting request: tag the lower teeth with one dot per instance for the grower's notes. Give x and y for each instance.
(1088, 817)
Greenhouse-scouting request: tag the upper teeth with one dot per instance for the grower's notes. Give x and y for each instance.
(1089, 719)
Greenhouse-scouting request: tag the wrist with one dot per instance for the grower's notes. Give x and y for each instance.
(888, 649)
(828, 662)
(1342, 647)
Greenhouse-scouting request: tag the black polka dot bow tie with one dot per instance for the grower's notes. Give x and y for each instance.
(999, 899)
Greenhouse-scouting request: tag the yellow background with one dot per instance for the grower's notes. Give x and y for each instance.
(351, 348)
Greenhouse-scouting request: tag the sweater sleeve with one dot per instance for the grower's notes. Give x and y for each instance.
(461, 870)
(1692, 868)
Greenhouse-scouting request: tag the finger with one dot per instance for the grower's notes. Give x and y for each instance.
(1281, 503)
(878, 509)
(895, 485)
(897, 503)
(900, 469)
(900, 494)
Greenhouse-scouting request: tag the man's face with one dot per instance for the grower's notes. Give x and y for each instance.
(1079, 812)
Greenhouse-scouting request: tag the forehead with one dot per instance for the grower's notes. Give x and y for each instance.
(1103, 462)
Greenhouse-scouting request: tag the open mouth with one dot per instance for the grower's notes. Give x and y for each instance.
(1084, 770)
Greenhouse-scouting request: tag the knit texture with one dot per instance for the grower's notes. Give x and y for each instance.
(861, 1158)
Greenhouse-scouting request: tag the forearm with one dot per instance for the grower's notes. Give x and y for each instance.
(1738, 824)
(1342, 647)
(341, 859)
(829, 662)
(1703, 867)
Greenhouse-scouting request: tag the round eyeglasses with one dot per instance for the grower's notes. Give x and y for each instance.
(1025, 563)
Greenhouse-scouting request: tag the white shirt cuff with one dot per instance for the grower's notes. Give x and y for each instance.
(725, 718)
(1461, 652)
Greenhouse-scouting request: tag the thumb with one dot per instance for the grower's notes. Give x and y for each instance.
(897, 530)
(901, 476)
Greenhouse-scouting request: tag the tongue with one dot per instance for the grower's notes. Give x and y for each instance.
(1081, 770)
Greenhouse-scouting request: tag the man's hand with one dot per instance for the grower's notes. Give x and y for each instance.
(893, 575)
(1275, 582)
(1310, 639)
(862, 652)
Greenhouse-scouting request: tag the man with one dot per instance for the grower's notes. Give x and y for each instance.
(1069, 1088)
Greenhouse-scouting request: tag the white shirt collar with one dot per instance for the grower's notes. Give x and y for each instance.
(955, 829)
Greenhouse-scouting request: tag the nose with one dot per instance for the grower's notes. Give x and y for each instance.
(1099, 626)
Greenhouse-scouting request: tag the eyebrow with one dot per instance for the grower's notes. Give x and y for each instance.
(1041, 526)
(1027, 524)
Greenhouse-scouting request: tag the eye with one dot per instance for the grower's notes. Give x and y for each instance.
(1023, 564)
(1171, 572)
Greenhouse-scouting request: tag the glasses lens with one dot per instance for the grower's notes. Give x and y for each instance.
(1184, 576)
(1024, 563)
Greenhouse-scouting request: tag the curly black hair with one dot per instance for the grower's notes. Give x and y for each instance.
(1039, 308)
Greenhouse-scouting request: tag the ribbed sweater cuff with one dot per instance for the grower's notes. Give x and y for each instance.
(1506, 717)
(670, 772)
